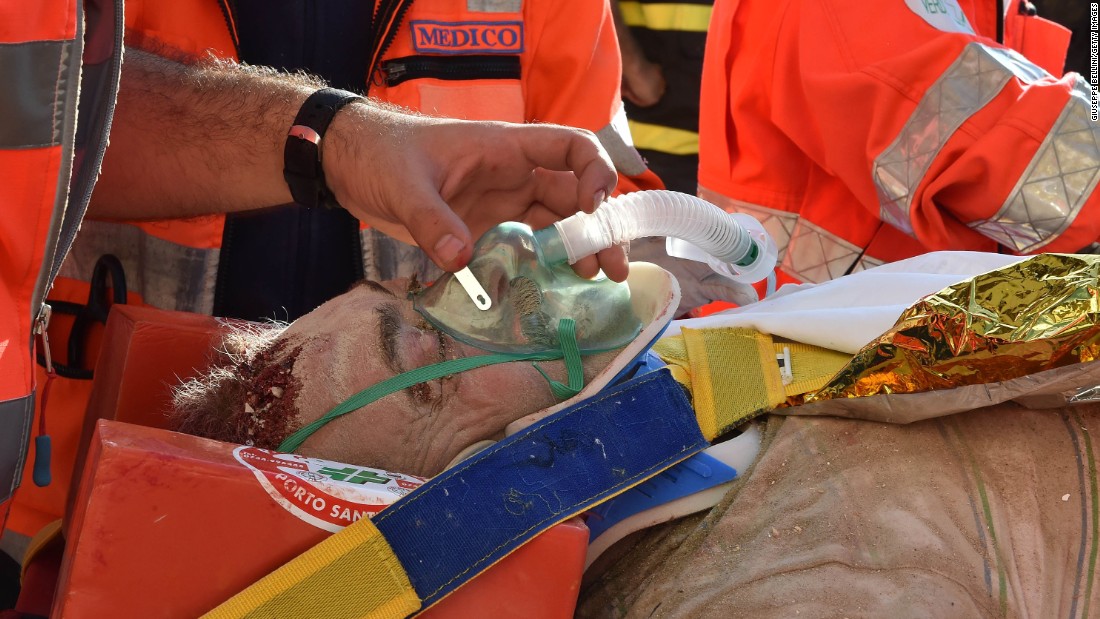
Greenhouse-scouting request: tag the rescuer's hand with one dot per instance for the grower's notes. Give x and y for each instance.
(699, 284)
(442, 183)
(643, 81)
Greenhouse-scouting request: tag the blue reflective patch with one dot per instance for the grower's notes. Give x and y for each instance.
(468, 37)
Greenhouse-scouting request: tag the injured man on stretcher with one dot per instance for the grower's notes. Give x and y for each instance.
(925, 437)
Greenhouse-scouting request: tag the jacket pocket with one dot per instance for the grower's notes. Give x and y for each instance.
(469, 87)
(455, 68)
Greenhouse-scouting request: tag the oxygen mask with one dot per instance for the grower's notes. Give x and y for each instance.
(519, 285)
(519, 299)
(512, 295)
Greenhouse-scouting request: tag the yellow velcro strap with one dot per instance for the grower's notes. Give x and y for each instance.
(812, 366)
(673, 351)
(736, 379)
(374, 583)
(733, 373)
(38, 543)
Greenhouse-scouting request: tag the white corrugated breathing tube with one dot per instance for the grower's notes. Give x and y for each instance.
(733, 244)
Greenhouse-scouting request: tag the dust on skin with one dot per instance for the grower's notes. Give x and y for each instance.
(415, 431)
(977, 514)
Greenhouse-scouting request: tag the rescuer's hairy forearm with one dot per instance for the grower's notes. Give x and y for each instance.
(208, 138)
(195, 139)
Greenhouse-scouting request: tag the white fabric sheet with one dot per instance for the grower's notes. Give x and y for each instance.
(846, 313)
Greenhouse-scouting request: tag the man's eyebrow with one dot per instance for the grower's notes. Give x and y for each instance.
(389, 327)
(389, 331)
(375, 286)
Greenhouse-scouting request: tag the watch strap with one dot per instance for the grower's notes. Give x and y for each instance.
(302, 167)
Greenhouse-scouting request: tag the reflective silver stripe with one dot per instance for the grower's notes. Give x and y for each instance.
(616, 140)
(386, 258)
(66, 86)
(99, 75)
(971, 82)
(167, 275)
(815, 255)
(495, 6)
(32, 103)
(1054, 187)
(806, 251)
(16, 417)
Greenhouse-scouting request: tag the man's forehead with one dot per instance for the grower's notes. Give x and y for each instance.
(387, 289)
(368, 293)
(354, 310)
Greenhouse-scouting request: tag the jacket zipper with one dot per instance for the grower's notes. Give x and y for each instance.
(473, 67)
(230, 25)
(63, 229)
(388, 15)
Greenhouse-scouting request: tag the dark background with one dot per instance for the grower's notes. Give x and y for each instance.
(1073, 14)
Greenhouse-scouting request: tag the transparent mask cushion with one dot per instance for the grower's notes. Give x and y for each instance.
(529, 298)
(567, 351)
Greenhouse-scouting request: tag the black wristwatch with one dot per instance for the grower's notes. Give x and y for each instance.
(302, 153)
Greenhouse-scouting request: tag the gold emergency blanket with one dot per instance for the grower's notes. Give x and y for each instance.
(1030, 317)
(991, 513)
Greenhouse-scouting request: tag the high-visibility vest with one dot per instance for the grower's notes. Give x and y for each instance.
(46, 176)
(866, 132)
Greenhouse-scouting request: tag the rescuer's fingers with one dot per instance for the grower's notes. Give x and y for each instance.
(574, 150)
(612, 260)
(437, 229)
(556, 193)
(587, 267)
(614, 263)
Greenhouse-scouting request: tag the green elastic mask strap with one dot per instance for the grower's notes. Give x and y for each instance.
(567, 339)
(569, 351)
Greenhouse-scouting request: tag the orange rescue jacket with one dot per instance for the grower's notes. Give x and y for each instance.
(46, 177)
(865, 132)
